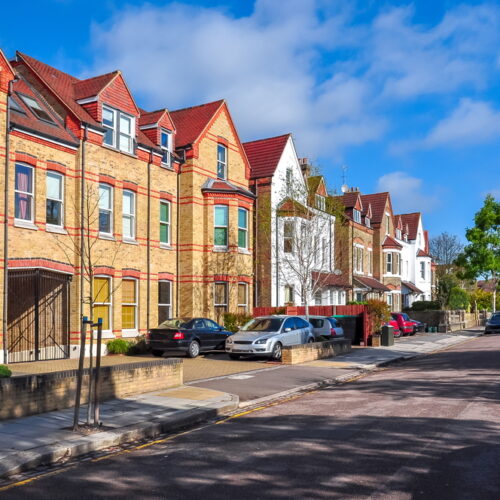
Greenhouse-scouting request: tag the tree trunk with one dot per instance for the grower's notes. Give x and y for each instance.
(494, 299)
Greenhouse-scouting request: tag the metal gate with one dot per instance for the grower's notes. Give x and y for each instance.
(38, 315)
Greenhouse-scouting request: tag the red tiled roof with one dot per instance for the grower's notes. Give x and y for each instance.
(217, 185)
(378, 202)
(412, 221)
(149, 118)
(63, 87)
(264, 155)
(331, 279)
(92, 86)
(191, 122)
(411, 287)
(29, 122)
(292, 208)
(390, 242)
(372, 283)
(422, 253)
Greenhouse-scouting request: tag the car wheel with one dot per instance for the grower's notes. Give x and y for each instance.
(156, 352)
(193, 349)
(277, 351)
(310, 341)
(234, 356)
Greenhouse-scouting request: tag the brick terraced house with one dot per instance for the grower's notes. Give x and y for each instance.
(88, 167)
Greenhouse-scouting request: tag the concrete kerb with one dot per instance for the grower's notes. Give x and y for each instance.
(63, 450)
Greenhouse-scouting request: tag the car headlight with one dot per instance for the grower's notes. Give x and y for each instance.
(229, 340)
(261, 341)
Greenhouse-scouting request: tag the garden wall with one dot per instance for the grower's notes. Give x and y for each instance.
(33, 394)
(302, 353)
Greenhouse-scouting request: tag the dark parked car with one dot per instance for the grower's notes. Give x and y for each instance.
(187, 335)
(493, 324)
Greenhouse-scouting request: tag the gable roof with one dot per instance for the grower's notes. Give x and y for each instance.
(411, 220)
(191, 122)
(378, 202)
(265, 154)
(390, 242)
(352, 199)
(66, 87)
(92, 86)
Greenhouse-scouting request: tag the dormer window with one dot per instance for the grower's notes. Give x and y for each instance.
(356, 215)
(119, 128)
(368, 222)
(166, 147)
(320, 202)
(398, 234)
(406, 237)
(221, 161)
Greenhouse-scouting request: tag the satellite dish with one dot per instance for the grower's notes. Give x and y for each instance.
(344, 188)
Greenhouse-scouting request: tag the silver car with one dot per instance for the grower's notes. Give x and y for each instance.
(267, 335)
(325, 327)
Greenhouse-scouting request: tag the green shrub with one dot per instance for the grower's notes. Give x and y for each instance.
(357, 303)
(425, 305)
(4, 372)
(233, 322)
(118, 346)
(459, 298)
(379, 313)
(138, 346)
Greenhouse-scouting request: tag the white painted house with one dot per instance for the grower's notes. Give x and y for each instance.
(294, 235)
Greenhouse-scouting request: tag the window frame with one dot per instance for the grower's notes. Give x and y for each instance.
(241, 229)
(320, 202)
(390, 300)
(166, 223)
(368, 222)
(108, 210)
(389, 263)
(422, 270)
(54, 173)
(243, 306)
(288, 238)
(222, 307)
(167, 149)
(116, 129)
(131, 216)
(289, 290)
(35, 108)
(109, 304)
(164, 304)
(356, 215)
(226, 226)
(134, 304)
(223, 163)
(30, 195)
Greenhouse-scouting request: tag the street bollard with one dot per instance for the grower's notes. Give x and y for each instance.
(387, 336)
(97, 372)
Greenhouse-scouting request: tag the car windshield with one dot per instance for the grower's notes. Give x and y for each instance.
(174, 323)
(405, 316)
(495, 319)
(262, 325)
(394, 316)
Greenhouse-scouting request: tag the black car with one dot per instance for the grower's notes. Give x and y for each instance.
(493, 324)
(187, 335)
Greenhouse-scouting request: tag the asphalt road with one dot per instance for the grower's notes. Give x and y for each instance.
(429, 429)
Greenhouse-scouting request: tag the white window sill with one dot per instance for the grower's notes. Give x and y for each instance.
(55, 229)
(244, 251)
(25, 224)
(106, 334)
(166, 246)
(220, 249)
(166, 166)
(113, 148)
(129, 334)
(106, 236)
(129, 241)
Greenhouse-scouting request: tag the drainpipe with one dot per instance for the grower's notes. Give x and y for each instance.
(6, 228)
(256, 256)
(177, 293)
(82, 224)
(148, 256)
(277, 263)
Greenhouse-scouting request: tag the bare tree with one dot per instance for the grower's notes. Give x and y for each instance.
(445, 248)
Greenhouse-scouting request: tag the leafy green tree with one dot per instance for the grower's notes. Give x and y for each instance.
(445, 284)
(480, 299)
(459, 298)
(481, 257)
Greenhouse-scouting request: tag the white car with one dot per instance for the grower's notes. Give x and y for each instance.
(267, 335)
(326, 327)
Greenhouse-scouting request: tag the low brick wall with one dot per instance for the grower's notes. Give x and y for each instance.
(33, 394)
(318, 350)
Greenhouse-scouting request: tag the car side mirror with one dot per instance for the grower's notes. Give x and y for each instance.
(287, 330)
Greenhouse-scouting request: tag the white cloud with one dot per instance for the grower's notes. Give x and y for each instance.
(302, 66)
(471, 122)
(408, 193)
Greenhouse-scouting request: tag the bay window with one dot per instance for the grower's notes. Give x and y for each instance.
(388, 263)
(242, 298)
(221, 226)
(242, 228)
(288, 236)
(220, 299)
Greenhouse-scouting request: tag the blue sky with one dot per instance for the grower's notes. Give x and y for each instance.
(406, 94)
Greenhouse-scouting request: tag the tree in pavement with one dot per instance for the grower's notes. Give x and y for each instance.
(481, 257)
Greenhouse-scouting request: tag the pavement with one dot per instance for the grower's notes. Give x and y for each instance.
(47, 438)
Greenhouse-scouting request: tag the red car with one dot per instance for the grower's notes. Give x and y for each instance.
(405, 324)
